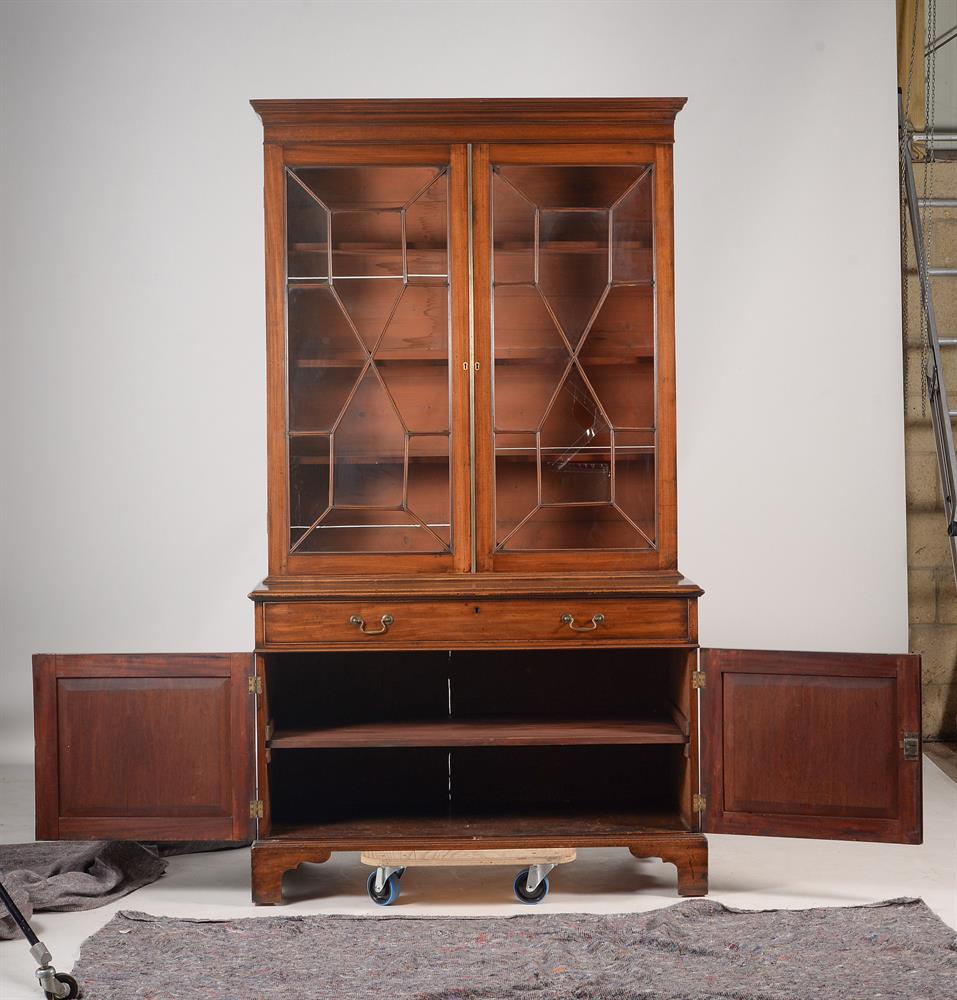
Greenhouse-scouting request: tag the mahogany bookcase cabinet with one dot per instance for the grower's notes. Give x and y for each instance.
(474, 632)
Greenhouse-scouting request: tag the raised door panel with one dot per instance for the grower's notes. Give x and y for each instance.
(823, 745)
(574, 393)
(367, 330)
(144, 747)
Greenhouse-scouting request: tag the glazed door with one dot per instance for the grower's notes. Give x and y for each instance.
(573, 332)
(823, 745)
(367, 289)
(144, 747)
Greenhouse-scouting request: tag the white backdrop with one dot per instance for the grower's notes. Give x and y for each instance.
(133, 461)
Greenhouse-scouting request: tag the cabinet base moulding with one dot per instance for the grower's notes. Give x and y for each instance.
(271, 859)
(688, 852)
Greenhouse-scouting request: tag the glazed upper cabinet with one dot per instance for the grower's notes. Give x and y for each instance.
(471, 342)
(376, 426)
(574, 417)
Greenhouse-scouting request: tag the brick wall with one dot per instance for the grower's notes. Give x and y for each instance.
(931, 588)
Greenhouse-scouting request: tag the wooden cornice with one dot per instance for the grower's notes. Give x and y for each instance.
(469, 119)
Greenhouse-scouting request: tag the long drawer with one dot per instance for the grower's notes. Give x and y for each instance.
(457, 624)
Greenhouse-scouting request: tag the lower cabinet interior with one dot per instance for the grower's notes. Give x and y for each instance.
(503, 745)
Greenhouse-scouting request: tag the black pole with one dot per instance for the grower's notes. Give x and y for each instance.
(20, 919)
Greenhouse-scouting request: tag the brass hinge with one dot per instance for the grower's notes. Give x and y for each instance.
(910, 744)
(698, 679)
(255, 685)
(256, 809)
(698, 803)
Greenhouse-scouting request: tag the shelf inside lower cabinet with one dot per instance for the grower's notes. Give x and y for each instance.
(458, 732)
(541, 827)
(476, 792)
(508, 747)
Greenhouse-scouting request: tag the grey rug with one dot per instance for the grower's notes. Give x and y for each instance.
(72, 875)
(83, 874)
(898, 950)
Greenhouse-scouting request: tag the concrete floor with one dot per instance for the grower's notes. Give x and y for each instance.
(746, 872)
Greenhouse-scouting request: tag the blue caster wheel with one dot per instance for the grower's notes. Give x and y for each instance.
(390, 891)
(521, 889)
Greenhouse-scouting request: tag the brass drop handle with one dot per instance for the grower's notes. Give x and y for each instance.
(360, 624)
(596, 620)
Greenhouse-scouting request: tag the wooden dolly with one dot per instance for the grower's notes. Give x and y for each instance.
(530, 886)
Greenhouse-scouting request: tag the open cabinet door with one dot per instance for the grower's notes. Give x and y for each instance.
(144, 747)
(823, 745)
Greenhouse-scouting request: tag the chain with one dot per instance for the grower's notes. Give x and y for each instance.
(910, 65)
(930, 95)
(905, 150)
(905, 307)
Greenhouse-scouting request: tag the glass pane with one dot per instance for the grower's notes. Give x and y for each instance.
(428, 494)
(426, 231)
(574, 354)
(366, 188)
(368, 359)
(368, 530)
(412, 358)
(514, 225)
(308, 483)
(326, 358)
(572, 187)
(367, 305)
(575, 420)
(577, 476)
(516, 476)
(633, 234)
(367, 243)
(573, 267)
(307, 233)
(368, 435)
(600, 526)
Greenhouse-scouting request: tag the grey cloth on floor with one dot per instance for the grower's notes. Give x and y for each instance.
(696, 950)
(83, 874)
(72, 875)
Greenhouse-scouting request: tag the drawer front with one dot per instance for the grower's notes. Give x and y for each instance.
(553, 622)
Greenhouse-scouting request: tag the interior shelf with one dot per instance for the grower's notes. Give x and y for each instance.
(571, 246)
(637, 453)
(489, 732)
(541, 826)
(606, 356)
(501, 249)
(381, 357)
(366, 249)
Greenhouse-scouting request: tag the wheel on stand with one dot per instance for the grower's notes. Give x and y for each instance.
(67, 980)
(389, 893)
(521, 889)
